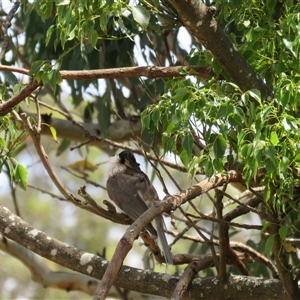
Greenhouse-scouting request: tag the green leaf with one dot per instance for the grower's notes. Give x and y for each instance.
(3, 143)
(274, 138)
(36, 66)
(146, 119)
(265, 226)
(254, 93)
(218, 164)
(270, 166)
(49, 34)
(208, 168)
(53, 133)
(187, 144)
(21, 176)
(283, 232)
(141, 16)
(17, 88)
(64, 2)
(269, 244)
(184, 158)
(290, 123)
(267, 193)
(64, 145)
(271, 154)
(93, 38)
(181, 94)
(156, 117)
(220, 146)
(53, 78)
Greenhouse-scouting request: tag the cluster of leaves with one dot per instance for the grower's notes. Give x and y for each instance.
(267, 34)
(232, 128)
(11, 143)
(44, 72)
(11, 135)
(226, 125)
(77, 35)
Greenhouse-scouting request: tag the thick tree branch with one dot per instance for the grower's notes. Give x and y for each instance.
(119, 130)
(238, 287)
(8, 106)
(42, 274)
(146, 71)
(169, 203)
(199, 20)
(284, 270)
(203, 262)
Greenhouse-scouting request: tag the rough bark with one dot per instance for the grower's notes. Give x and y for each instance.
(238, 287)
(200, 22)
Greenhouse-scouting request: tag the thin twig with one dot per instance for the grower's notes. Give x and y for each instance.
(84, 178)
(5, 25)
(46, 192)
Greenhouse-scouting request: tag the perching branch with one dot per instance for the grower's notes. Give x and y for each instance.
(169, 203)
(242, 288)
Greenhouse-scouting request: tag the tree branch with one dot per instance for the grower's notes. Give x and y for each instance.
(146, 71)
(203, 262)
(238, 287)
(199, 20)
(290, 285)
(8, 106)
(43, 275)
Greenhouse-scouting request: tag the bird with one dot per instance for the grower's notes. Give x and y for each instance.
(131, 190)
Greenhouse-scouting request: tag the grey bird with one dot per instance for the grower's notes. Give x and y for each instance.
(133, 193)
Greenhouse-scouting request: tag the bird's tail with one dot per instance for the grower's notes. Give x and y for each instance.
(163, 240)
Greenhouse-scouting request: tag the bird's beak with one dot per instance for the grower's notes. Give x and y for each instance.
(133, 165)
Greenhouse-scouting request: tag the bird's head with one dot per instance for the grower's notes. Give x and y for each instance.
(128, 159)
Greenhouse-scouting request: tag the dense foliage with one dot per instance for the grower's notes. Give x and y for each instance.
(208, 121)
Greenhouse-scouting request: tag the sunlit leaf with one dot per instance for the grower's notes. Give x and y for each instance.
(274, 138)
(2, 143)
(141, 15)
(54, 134)
(21, 176)
(254, 93)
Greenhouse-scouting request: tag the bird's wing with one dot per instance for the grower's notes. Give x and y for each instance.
(146, 190)
(122, 189)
